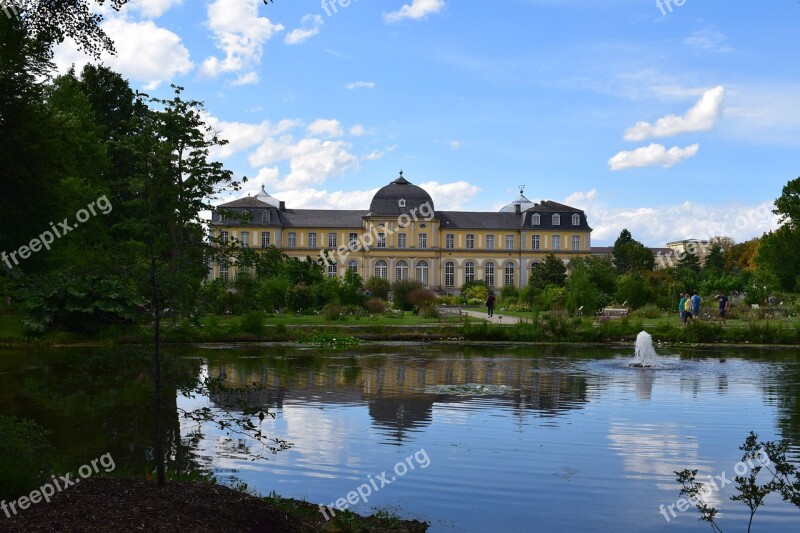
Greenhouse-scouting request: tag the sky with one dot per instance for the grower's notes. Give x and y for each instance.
(678, 121)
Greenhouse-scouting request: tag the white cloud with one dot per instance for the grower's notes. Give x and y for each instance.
(241, 136)
(657, 225)
(310, 161)
(240, 33)
(311, 26)
(652, 155)
(702, 117)
(146, 53)
(248, 78)
(455, 145)
(358, 130)
(330, 128)
(360, 85)
(710, 39)
(450, 196)
(311, 198)
(151, 8)
(416, 10)
(378, 154)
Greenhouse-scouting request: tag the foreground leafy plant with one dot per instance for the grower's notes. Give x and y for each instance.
(767, 455)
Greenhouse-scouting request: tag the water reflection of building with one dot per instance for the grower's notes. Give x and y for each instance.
(397, 389)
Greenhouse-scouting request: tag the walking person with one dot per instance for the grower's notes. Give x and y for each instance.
(490, 303)
(696, 304)
(681, 310)
(724, 303)
(687, 309)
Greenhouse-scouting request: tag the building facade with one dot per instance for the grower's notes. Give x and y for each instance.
(402, 236)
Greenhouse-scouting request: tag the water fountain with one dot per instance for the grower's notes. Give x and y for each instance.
(645, 355)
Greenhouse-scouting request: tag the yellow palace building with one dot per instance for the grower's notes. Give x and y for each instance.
(402, 236)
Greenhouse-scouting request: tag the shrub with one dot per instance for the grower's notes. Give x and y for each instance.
(379, 287)
(253, 323)
(427, 310)
(334, 312)
(648, 311)
(25, 455)
(421, 296)
(402, 290)
(509, 291)
(298, 298)
(376, 306)
(475, 290)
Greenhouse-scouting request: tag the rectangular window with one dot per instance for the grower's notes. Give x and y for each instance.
(332, 240)
(509, 242)
(490, 242)
(450, 241)
(244, 236)
(265, 216)
(470, 241)
(536, 242)
(381, 243)
(312, 239)
(469, 271)
(353, 241)
(423, 240)
(576, 242)
(223, 271)
(402, 240)
(556, 242)
(291, 239)
(332, 270)
(223, 237)
(265, 238)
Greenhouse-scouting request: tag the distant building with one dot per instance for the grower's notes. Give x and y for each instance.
(402, 236)
(696, 247)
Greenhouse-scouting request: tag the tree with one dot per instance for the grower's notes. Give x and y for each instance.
(630, 255)
(715, 262)
(779, 254)
(551, 271)
(788, 205)
(581, 292)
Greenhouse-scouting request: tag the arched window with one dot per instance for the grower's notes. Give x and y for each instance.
(401, 270)
(536, 219)
(576, 219)
(352, 265)
(422, 272)
(449, 274)
(381, 269)
(469, 271)
(556, 219)
(488, 274)
(510, 271)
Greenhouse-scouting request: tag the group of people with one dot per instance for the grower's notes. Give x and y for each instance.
(689, 307)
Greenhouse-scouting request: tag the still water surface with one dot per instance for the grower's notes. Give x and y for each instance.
(545, 438)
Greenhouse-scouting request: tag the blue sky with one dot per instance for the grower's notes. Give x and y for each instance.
(675, 122)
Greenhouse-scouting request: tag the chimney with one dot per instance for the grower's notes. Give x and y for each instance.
(282, 206)
(517, 209)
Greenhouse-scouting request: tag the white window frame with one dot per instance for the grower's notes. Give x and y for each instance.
(291, 239)
(576, 219)
(470, 241)
(381, 269)
(449, 274)
(490, 242)
(510, 242)
(265, 239)
(402, 240)
(401, 270)
(449, 241)
(488, 273)
(536, 242)
(422, 240)
(333, 238)
(576, 242)
(556, 219)
(469, 271)
(555, 242)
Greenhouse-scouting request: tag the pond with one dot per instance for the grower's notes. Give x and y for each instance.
(469, 438)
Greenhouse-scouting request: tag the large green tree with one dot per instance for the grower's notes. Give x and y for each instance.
(630, 255)
(551, 271)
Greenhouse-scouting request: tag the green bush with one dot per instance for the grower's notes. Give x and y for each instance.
(25, 456)
(376, 306)
(379, 287)
(253, 323)
(401, 290)
(334, 312)
(509, 291)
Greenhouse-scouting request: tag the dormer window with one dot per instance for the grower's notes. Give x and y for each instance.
(223, 217)
(401, 202)
(536, 219)
(556, 220)
(265, 216)
(576, 219)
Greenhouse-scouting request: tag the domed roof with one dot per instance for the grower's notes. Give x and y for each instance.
(399, 197)
(266, 198)
(523, 203)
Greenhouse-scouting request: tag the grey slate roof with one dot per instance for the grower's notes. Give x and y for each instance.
(248, 201)
(478, 220)
(386, 200)
(322, 218)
